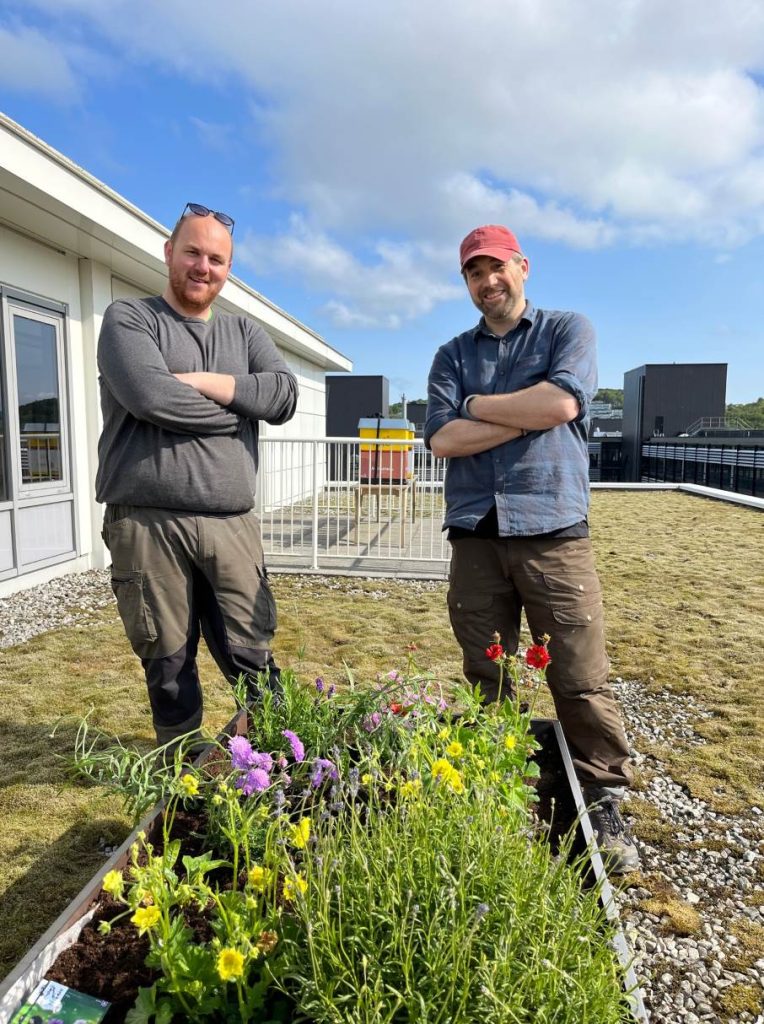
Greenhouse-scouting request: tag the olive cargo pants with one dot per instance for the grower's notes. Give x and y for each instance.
(556, 582)
(177, 576)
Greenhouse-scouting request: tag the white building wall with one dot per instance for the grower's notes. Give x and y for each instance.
(66, 239)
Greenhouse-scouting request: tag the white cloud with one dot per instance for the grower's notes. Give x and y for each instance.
(583, 124)
(31, 63)
(396, 283)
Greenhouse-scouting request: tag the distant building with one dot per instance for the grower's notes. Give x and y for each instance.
(664, 400)
(726, 463)
(352, 397)
(604, 411)
(416, 413)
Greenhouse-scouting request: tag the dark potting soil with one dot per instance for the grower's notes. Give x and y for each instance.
(112, 966)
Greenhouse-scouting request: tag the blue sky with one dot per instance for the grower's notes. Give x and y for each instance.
(355, 144)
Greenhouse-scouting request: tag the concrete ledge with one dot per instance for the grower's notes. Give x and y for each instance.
(715, 493)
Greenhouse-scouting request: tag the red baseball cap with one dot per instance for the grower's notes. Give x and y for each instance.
(490, 240)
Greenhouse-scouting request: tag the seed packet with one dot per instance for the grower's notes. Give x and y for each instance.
(51, 1003)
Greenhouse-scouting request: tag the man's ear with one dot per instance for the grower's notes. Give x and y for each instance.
(167, 251)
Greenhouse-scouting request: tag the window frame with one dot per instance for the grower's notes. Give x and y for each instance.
(17, 301)
(42, 488)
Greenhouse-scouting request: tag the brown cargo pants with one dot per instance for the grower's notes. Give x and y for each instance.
(177, 576)
(556, 582)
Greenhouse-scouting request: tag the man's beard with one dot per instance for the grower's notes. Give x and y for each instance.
(178, 284)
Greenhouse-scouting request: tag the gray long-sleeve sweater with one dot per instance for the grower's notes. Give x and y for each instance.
(165, 445)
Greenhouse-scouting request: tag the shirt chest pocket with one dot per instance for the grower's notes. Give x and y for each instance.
(528, 370)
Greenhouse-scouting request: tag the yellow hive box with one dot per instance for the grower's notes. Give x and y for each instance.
(400, 430)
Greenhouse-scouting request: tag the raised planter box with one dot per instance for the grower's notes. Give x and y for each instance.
(561, 804)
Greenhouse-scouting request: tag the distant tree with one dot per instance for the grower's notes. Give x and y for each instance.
(396, 409)
(42, 410)
(751, 413)
(613, 396)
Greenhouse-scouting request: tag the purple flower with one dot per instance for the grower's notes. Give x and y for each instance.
(371, 721)
(282, 762)
(323, 769)
(264, 761)
(255, 781)
(330, 691)
(320, 685)
(241, 752)
(394, 676)
(298, 750)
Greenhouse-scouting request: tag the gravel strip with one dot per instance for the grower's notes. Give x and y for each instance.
(715, 871)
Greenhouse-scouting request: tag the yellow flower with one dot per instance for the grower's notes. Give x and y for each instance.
(230, 964)
(145, 917)
(190, 784)
(455, 749)
(301, 834)
(259, 877)
(113, 883)
(455, 782)
(411, 787)
(366, 779)
(294, 885)
(444, 770)
(494, 777)
(444, 733)
(267, 941)
(510, 742)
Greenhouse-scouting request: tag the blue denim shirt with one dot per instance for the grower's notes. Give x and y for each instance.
(539, 482)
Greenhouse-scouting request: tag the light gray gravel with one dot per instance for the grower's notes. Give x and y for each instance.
(717, 869)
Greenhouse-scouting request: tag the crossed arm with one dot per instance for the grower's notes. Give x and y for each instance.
(220, 387)
(502, 418)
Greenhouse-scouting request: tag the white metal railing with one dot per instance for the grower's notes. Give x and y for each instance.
(339, 502)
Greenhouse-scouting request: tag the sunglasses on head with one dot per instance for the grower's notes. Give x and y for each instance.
(202, 211)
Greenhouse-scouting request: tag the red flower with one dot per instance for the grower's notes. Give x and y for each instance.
(495, 652)
(537, 656)
(399, 709)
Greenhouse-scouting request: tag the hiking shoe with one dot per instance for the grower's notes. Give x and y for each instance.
(615, 842)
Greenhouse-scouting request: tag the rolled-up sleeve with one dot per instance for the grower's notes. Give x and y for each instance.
(573, 365)
(444, 393)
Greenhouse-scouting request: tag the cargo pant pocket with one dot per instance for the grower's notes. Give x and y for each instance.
(129, 590)
(265, 604)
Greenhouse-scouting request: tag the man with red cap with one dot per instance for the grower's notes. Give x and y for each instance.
(508, 405)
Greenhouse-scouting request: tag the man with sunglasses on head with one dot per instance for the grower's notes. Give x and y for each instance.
(183, 390)
(508, 405)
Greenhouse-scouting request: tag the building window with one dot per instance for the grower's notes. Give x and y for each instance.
(36, 499)
(38, 355)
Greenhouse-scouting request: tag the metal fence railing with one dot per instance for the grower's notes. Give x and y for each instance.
(322, 503)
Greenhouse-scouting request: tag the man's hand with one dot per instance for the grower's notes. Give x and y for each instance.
(220, 387)
(538, 407)
(467, 437)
